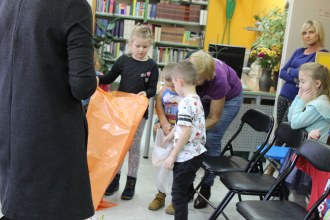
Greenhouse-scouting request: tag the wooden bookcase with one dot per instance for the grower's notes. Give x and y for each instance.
(178, 26)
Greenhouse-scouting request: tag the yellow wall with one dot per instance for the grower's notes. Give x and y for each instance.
(243, 17)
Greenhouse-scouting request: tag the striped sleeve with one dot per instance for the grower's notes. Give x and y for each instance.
(185, 112)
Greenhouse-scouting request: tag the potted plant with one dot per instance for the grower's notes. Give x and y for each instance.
(267, 50)
(104, 57)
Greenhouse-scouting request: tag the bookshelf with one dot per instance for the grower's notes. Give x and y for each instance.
(178, 25)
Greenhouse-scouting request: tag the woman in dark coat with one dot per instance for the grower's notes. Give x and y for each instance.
(46, 68)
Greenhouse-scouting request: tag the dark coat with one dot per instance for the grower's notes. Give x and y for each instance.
(46, 68)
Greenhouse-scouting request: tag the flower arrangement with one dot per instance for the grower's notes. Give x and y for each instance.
(267, 58)
(267, 49)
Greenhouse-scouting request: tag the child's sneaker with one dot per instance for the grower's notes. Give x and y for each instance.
(170, 209)
(158, 202)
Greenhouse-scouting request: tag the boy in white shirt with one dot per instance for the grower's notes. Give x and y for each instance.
(189, 137)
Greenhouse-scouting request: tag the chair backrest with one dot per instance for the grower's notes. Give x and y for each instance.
(291, 137)
(318, 155)
(257, 120)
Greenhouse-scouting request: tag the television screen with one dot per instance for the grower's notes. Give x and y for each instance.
(233, 56)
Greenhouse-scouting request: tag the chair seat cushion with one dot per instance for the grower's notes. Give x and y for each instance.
(247, 182)
(271, 210)
(224, 164)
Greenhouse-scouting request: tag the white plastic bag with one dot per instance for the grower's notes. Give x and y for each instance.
(164, 180)
(160, 151)
(163, 176)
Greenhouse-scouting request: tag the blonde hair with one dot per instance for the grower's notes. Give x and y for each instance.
(318, 28)
(204, 64)
(186, 71)
(167, 71)
(318, 72)
(141, 31)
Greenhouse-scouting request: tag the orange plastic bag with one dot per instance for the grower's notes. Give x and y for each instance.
(112, 121)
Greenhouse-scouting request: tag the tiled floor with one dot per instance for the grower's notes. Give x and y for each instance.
(137, 208)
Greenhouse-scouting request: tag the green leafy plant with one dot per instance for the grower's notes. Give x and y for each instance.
(267, 49)
(104, 58)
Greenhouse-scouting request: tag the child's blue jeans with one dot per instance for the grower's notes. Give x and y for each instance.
(215, 134)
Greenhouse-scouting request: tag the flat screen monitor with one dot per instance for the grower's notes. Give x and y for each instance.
(233, 56)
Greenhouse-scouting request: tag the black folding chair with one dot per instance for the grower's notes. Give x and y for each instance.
(317, 154)
(259, 122)
(249, 183)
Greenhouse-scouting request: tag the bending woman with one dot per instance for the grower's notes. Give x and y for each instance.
(220, 91)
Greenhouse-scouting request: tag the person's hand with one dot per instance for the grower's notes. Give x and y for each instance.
(156, 126)
(314, 134)
(167, 139)
(299, 93)
(169, 162)
(166, 127)
(143, 93)
(308, 95)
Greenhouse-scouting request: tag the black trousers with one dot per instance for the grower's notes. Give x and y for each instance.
(184, 174)
(283, 105)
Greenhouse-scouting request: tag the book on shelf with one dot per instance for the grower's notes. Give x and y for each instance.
(194, 13)
(140, 8)
(152, 11)
(165, 55)
(178, 12)
(128, 28)
(111, 6)
(157, 32)
(195, 39)
(100, 6)
(123, 28)
(199, 1)
(116, 49)
(136, 9)
(203, 17)
(186, 37)
(172, 34)
(115, 31)
(121, 9)
(133, 7)
(105, 6)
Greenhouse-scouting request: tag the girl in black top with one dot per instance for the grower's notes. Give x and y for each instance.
(139, 75)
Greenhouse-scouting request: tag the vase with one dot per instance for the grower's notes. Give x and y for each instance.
(265, 80)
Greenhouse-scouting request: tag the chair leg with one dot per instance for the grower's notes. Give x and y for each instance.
(206, 200)
(239, 197)
(284, 192)
(207, 173)
(222, 205)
